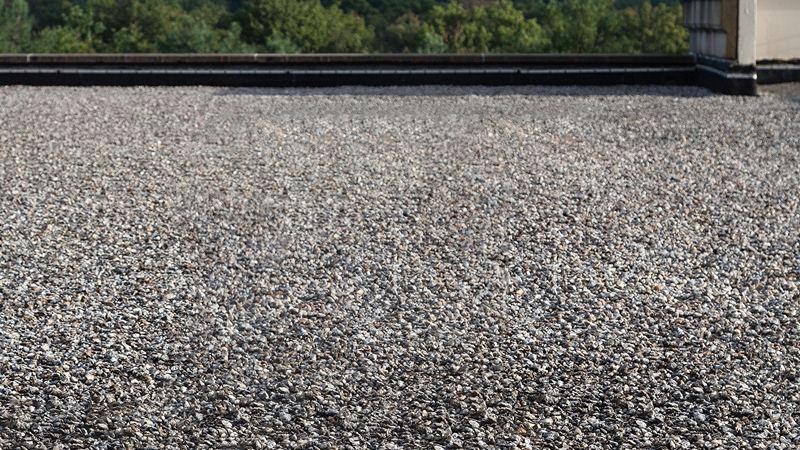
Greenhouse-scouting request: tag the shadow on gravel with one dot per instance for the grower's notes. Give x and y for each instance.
(788, 90)
(488, 91)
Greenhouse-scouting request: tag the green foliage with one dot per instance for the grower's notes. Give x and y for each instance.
(131, 39)
(433, 43)
(576, 26)
(140, 26)
(47, 13)
(496, 27)
(655, 29)
(623, 4)
(188, 35)
(293, 26)
(596, 26)
(278, 43)
(231, 41)
(15, 26)
(79, 34)
(307, 25)
(384, 16)
(406, 35)
(382, 13)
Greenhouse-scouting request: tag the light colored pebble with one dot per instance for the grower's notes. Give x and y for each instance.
(431, 267)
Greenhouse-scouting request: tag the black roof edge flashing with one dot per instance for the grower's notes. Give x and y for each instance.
(718, 74)
(725, 76)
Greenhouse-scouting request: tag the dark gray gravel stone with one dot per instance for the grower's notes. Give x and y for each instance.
(399, 268)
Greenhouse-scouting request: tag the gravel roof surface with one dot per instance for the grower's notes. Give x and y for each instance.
(399, 268)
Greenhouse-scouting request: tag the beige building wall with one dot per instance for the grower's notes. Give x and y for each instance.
(778, 29)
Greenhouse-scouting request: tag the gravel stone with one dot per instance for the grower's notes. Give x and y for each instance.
(388, 268)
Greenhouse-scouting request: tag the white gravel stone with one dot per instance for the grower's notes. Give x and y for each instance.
(431, 267)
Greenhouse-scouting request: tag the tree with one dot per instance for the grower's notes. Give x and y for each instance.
(306, 25)
(574, 26)
(15, 26)
(496, 27)
(188, 35)
(624, 4)
(47, 13)
(656, 29)
(293, 26)
(407, 34)
(595, 26)
(231, 41)
(140, 26)
(79, 34)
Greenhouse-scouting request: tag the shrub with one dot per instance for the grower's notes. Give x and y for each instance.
(15, 26)
(496, 27)
(306, 25)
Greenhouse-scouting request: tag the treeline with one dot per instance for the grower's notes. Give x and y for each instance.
(312, 26)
